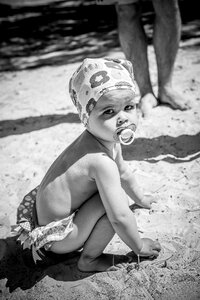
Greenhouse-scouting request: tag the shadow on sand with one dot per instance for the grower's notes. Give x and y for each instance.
(183, 148)
(25, 125)
(57, 33)
(176, 149)
(17, 266)
(171, 149)
(177, 265)
(63, 32)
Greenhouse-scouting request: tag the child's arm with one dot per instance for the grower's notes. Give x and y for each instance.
(130, 184)
(106, 174)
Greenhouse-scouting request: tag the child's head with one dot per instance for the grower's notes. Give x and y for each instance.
(94, 78)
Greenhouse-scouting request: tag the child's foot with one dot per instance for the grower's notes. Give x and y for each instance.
(147, 103)
(173, 98)
(102, 263)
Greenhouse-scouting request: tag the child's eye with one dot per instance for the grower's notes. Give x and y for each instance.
(108, 112)
(129, 107)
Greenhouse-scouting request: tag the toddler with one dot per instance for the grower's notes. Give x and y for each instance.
(83, 199)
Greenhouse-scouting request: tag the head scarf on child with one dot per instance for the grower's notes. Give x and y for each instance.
(94, 78)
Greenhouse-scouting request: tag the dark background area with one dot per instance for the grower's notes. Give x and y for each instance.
(61, 32)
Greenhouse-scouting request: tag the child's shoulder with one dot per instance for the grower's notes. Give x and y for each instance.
(96, 152)
(91, 145)
(86, 149)
(101, 164)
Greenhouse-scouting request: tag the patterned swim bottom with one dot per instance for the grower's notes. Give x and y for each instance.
(34, 236)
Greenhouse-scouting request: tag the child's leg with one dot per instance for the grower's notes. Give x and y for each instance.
(92, 258)
(92, 232)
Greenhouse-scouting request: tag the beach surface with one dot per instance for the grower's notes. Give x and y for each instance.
(38, 121)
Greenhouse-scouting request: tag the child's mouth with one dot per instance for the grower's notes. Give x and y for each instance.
(126, 135)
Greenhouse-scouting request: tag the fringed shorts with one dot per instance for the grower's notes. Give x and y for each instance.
(34, 236)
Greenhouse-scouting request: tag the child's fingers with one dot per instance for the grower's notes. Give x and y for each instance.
(157, 246)
(151, 198)
(154, 200)
(154, 253)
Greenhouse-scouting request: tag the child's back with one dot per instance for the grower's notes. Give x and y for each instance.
(68, 182)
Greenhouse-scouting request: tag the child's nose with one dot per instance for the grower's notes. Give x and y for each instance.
(122, 118)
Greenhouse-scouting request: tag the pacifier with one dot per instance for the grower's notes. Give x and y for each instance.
(126, 136)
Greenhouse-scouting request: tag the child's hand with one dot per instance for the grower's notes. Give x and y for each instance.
(150, 248)
(147, 201)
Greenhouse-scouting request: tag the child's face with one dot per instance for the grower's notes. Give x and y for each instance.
(114, 110)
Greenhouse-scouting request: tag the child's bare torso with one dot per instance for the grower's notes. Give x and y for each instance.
(68, 182)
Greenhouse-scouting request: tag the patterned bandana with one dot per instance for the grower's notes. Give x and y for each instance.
(94, 78)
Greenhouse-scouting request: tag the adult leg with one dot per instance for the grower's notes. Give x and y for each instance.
(166, 38)
(134, 45)
(91, 231)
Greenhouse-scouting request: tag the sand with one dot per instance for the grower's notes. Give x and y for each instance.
(38, 121)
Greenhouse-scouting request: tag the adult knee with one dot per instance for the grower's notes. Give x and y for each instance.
(167, 10)
(128, 13)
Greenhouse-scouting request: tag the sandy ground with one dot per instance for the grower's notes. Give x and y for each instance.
(38, 121)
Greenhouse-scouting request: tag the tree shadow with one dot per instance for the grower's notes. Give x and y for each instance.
(183, 148)
(29, 124)
(62, 32)
(18, 267)
(55, 34)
